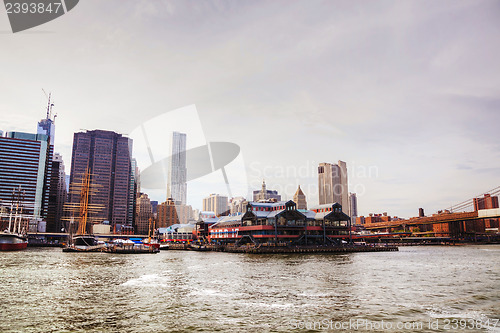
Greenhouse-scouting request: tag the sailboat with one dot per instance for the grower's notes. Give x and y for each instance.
(14, 237)
(83, 240)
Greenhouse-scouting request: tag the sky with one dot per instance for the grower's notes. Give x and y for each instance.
(406, 92)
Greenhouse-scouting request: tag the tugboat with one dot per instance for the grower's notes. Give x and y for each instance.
(14, 237)
(83, 240)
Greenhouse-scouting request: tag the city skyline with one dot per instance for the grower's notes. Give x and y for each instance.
(374, 90)
(47, 127)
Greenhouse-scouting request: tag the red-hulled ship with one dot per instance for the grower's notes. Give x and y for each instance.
(10, 241)
(14, 237)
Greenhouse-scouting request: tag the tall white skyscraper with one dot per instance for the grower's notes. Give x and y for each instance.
(332, 184)
(177, 174)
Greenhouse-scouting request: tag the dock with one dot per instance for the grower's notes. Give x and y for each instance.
(285, 249)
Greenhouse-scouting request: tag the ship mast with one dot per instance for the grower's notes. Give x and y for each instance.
(84, 203)
(84, 209)
(21, 199)
(17, 225)
(11, 208)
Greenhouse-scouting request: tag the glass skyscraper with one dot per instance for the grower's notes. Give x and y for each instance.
(25, 162)
(107, 155)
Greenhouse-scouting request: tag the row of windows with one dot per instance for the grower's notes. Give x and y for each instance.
(18, 174)
(14, 160)
(30, 145)
(267, 209)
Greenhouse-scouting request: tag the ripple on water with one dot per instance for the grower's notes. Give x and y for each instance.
(147, 280)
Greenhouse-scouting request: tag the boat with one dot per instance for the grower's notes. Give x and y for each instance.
(136, 246)
(164, 246)
(151, 242)
(83, 240)
(197, 247)
(10, 241)
(14, 237)
(84, 243)
(130, 247)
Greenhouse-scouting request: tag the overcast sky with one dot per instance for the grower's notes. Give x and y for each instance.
(406, 92)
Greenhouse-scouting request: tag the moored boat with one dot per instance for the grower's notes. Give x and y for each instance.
(10, 241)
(130, 247)
(84, 243)
(133, 249)
(83, 240)
(14, 237)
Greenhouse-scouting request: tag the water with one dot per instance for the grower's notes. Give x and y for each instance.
(46, 290)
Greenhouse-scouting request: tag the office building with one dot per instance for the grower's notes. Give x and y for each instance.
(167, 215)
(57, 195)
(144, 215)
(300, 199)
(177, 173)
(170, 213)
(237, 205)
(264, 194)
(154, 205)
(26, 163)
(353, 207)
(332, 184)
(107, 156)
(134, 191)
(216, 203)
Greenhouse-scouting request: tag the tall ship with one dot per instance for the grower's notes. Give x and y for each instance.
(80, 237)
(14, 237)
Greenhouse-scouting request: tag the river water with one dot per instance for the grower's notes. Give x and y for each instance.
(418, 289)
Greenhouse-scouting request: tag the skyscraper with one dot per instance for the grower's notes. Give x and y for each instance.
(332, 184)
(107, 155)
(300, 199)
(144, 212)
(177, 173)
(353, 207)
(57, 194)
(237, 205)
(215, 203)
(25, 162)
(134, 191)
